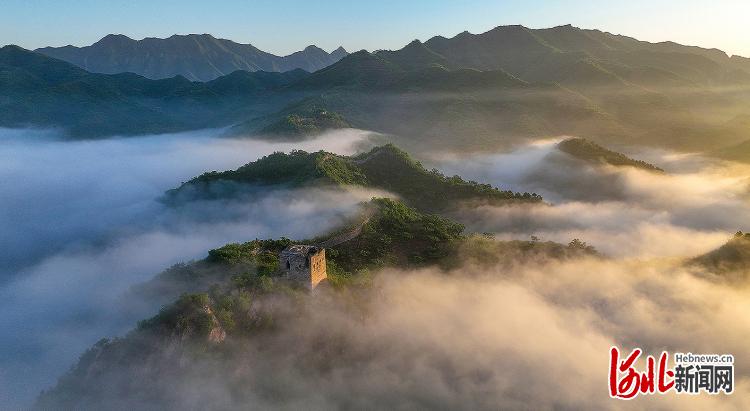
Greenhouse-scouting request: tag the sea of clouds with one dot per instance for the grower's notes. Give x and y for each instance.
(519, 337)
(625, 212)
(81, 223)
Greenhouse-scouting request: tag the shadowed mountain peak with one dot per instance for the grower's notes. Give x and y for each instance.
(114, 39)
(339, 53)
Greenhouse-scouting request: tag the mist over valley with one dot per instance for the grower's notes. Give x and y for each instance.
(465, 222)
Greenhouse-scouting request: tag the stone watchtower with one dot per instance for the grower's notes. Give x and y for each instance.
(304, 264)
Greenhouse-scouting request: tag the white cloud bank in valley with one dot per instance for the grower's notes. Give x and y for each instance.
(81, 223)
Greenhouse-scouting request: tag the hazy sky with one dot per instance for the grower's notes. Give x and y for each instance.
(283, 26)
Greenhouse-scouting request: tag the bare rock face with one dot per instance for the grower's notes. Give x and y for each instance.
(217, 334)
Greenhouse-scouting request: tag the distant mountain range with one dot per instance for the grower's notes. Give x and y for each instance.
(39, 91)
(472, 91)
(570, 55)
(197, 57)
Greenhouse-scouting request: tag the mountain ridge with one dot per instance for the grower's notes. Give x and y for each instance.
(593, 153)
(520, 50)
(197, 57)
(730, 261)
(40, 91)
(472, 91)
(384, 167)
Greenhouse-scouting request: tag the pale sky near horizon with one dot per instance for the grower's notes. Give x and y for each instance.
(285, 26)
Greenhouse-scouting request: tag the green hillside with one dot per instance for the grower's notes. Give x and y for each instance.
(226, 306)
(730, 261)
(302, 119)
(386, 167)
(591, 152)
(39, 91)
(309, 122)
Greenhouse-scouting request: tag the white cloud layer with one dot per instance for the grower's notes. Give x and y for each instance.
(80, 224)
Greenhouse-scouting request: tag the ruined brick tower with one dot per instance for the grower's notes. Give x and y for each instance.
(304, 264)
